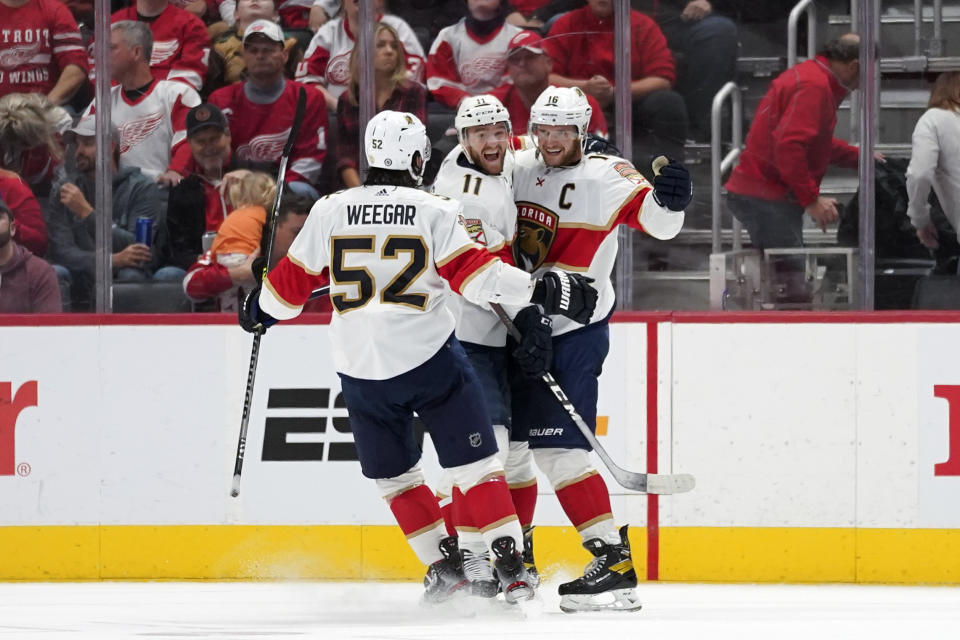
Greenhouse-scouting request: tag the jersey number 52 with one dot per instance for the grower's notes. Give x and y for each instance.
(395, 291)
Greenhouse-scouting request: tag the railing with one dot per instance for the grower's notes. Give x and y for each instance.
(810, 8)
(719, 167)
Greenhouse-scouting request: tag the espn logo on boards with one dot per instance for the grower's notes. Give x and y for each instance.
(322, 433)
(10, 407)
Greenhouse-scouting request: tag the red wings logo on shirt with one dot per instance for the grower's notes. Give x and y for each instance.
(15, 56)
(136, 131)
(338, 69)
(488, 69)
(163, 50)
(536, 229)
(265, 148)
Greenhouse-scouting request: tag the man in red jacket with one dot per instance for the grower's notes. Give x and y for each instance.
(580, 43)
(790, 146)
(27, 283)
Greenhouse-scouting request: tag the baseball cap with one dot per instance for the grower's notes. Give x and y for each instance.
(264, 28)
(204, 116)
(87, 126)
(528, 40)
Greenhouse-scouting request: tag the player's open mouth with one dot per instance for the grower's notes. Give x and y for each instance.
(491, 156)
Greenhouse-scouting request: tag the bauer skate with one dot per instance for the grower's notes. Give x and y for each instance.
(607, 584)
(513, 576)
(528, 563)
(444, 577)
(479, 571)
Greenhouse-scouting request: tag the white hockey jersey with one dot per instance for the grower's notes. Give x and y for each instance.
(390, 252)
(153, 127)
(490, 218)
(567, 219)
(327, 59)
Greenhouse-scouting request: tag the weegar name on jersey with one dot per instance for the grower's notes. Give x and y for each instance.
(381, 214)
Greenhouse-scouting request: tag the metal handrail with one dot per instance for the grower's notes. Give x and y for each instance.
(719, 166)
(811, 9)
(936, 44)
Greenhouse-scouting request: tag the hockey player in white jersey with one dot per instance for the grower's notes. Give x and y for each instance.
(390, 251)
(569, 207)
(478, 174)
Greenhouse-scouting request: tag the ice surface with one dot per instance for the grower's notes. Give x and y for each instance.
(350, 610)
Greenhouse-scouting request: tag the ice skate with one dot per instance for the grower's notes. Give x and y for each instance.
(478, 569)
(532, 574)
(444, 577)
(608, 583)
(513, 576)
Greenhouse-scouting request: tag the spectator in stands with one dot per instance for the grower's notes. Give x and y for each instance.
(580, 43)
(197, 206)
(30, 128)
(706, 43)
(469, 57)
(181, 45)
(394, 91)
(293, 15)
(232, 259)
(326, 64)
(260, 112)
(27, 283)
(935, 161)
(41, 50)
(149, 113)
(529, 68)
(226, 59)
(31, 228)
(790, 145)
(72, 219)
(322, 12)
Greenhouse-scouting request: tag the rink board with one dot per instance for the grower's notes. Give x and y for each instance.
(821, 446)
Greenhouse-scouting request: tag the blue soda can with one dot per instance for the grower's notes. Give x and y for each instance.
(145, 230)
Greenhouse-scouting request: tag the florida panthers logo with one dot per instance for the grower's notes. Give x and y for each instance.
(15, 56)
(265, 148)
(338, 69)
(163, 50)
(136, 131)
(536, 230)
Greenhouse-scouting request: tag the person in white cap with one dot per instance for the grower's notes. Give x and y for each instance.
(394, 253)
(261, 109)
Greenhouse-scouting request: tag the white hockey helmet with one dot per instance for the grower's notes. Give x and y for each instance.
(479, 110)
(562, 106)
(392, 140)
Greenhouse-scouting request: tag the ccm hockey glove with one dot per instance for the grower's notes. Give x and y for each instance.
(535, 351)
(672, 187)
(566, 294)
(252, 318)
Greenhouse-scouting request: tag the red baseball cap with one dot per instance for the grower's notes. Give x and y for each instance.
(529, 40)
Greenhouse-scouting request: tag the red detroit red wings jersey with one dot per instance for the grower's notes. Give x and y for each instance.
(181, 46)
(152, 128)
(259, 131)
(461, 64)
(37, 41)
(327, 60)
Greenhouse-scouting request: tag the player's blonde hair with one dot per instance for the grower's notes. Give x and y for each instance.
(397, 76)
(256, 189)
(946, 92)
(29, 120)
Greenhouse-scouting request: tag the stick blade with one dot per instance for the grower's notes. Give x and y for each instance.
(670, 483)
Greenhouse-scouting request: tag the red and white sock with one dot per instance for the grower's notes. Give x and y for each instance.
(418, 515)
(524, 497)
(491, 509)
(586, 501)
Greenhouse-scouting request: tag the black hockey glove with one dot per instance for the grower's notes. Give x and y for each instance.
(596, 144)
(535, 351)
(252, 318)
(566, 294)
(672, 187)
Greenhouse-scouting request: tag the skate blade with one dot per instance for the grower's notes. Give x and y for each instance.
(458, 592)
(518, 592)
(615, 600)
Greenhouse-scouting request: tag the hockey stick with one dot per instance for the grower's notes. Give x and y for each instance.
(643, 482)
(255, 349)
